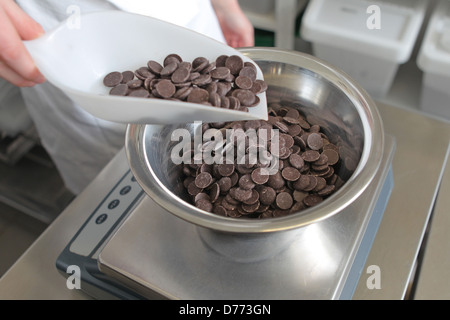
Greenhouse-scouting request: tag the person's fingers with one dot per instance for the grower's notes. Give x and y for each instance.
(232, 42)
(249, 38)
(27, 28)
(11, 76)
(246, 32)
(13, 52)
(239, 38)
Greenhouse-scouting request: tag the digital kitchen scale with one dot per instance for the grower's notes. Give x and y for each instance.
(131, 248)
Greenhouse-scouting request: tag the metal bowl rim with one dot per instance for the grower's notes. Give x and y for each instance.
(349, 192)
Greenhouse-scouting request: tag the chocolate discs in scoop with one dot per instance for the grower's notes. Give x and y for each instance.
(113, 79)
(205, 82)
(164, 89)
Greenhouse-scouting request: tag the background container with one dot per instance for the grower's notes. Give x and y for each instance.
(366, 39)
(434, 61)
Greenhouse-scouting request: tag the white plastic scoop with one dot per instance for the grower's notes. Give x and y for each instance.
(75, 57)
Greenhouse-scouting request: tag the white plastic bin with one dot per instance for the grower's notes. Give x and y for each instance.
(366, 39)
(434, 60)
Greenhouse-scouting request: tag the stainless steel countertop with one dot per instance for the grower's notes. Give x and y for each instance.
(434, 273)
(306, 263)
(418, 168)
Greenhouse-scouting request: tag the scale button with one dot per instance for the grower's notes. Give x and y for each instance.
(113, 204)
(125, 190)
(101, 218)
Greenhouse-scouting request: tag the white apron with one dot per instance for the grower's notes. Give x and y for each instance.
(80, 144)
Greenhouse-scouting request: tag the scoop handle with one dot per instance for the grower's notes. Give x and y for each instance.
(39, 53)
(46, 56)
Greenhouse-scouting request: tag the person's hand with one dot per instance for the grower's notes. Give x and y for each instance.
(16, 64)
(236, 27)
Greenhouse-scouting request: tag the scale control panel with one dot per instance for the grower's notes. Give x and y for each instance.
(107, 216)
(86, 245)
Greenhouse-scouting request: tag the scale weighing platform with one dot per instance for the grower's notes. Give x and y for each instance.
(131, 248)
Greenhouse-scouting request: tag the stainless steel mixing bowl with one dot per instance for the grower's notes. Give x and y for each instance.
(328, 97)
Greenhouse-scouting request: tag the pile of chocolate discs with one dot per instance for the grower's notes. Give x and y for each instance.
(306, 174)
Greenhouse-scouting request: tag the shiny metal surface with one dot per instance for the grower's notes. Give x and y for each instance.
(434, 275)
(34, 276)
(159, 255)
(326, 96)
(421, 156)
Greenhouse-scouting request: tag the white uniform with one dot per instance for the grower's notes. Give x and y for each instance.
(80, 144)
